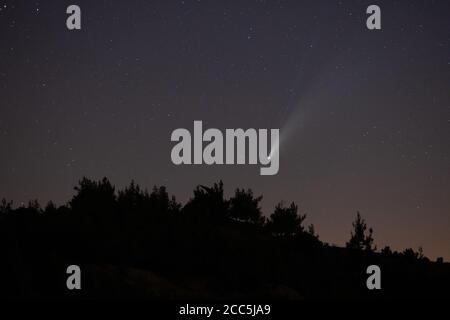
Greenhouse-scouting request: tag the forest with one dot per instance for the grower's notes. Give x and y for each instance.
(135, 243)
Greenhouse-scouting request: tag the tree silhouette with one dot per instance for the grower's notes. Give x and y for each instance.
(50, 208)
(132, 199)
(387, 251)
(5, 206)
(95, 207)
(359, 239)
(139, 244)
(285, 221)
(93, 196)
(412, 255)
(245, 207)
(161, 202)
(312, 231)
(208, 203)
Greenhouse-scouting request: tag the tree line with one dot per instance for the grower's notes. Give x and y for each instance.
(136, 242)
(93, 198)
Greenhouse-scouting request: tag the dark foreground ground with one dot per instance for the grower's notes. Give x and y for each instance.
(140, 245)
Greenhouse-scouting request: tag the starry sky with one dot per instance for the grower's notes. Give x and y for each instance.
(364, 115)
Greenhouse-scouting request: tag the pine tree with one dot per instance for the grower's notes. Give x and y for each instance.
(359, 239)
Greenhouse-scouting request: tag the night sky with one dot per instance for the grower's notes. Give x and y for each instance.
(364, 115)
